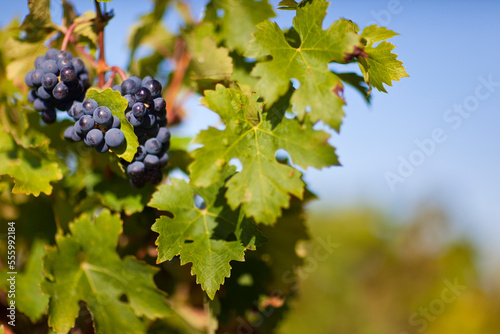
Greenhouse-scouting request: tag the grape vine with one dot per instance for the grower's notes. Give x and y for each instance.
(145, 232)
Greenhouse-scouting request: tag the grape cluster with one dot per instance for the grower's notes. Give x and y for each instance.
(147, 112)
(57, 81)
(95, 125)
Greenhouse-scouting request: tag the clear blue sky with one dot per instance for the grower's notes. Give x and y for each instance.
(446, 48)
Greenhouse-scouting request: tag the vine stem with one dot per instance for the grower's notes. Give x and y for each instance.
(183, 58)
(114, 70)
(69, 32)
(101, 62)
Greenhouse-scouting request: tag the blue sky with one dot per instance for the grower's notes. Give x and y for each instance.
(449, 49)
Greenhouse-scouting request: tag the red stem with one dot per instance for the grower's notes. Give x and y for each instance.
(69, 32)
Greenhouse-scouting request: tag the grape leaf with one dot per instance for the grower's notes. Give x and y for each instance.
(307, 63)
(264, 185)
(85, 266)
(239, 20)
(198, 233)
(29, 298)
(87, 29)
(38, 22)
(381, 66)
(288, 5)
(117, 103)
(208, 62)
(31, 170)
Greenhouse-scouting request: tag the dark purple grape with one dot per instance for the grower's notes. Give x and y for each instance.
(136, 80)
(143, 95)
(49, 116)
(103, 116)
(163, 159)
(39, 62)
(43, 94)
(60, 91)
(68, 74)
(40, 105)
(61, 55)
(151, 161)
(62, 63)
(163, 135)
(32, 96)
(36, 77)
(50, 54)
(116, 123)
(68, 133)
(129, 87)
(135, 169)
(117, 88)
(86, 123)
(133, 120)
(27, 79)
(76, 136)
(114, 137)
(131, 100)
(50, 66)
(139, 110)
(94, 137)
(49, 81)
(140, 154)
(153, 146)
(84, 78)
(146, 80)
(78, 64)
(76, 110)
(159, 105)
(89, 105)
(154, 87)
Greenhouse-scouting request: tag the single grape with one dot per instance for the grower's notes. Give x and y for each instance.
(153, 146)
(68, 74)
(89, 105)
(60, 91)
(139, 110)
(163, 135)
(76, 111)
(117, 88)
(94, 137)
(140, 154)
(36, 77)
(49, 116)
(163, 159)
(102, 115)
(154, 87)
(143, 95)
(68, 133)
(62, 54)
(39, 62)
(32, 96)
(75, 136)
(159, 105)
(116, 123)
(84, 78)
(133, 120)
(135, 169)
(86, 123)
(27, 79)
(51, 53)
(62, 63)
(43, 94)
(50, 66)
(131, 100)
(102, 147)
(114, 137)
(40, 105)
(146, 80)
(128, 87)
(151, 161)
(136, 80)
(49, 81)
(78, 64)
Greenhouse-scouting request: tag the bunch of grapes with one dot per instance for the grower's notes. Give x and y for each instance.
(95, 125)
(146, 111)
(57, 81)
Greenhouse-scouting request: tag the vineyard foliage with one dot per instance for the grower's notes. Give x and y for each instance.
(115, 259)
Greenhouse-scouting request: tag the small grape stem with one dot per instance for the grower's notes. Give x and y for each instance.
(114, 70)
(69, 32)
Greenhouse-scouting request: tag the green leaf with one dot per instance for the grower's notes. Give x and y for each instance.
(118, 104)
(264, 185)
(357, 82)
(239, 20)
(307, 63)
(38, 20)
(84, 266)
(198, 233)
(1, 329)
(208, 62)
(87, 29)
(288, 5)
(29, 298)
(381, 66)
(31, 169)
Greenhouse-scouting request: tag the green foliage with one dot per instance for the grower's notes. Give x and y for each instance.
(253, 136)
(112, 253)
(85, 266)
